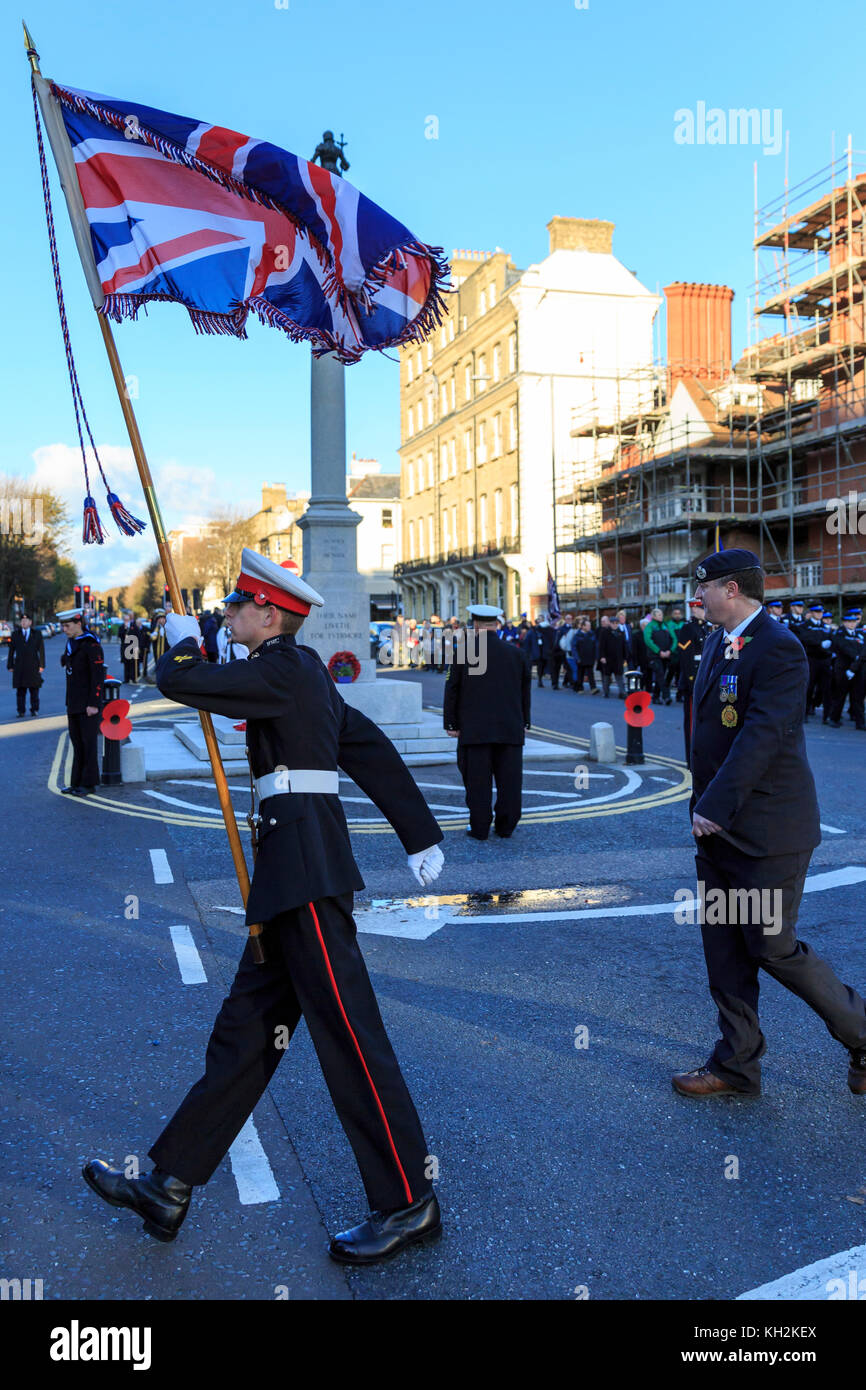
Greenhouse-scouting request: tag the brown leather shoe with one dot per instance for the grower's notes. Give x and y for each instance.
(857, 1073)
(702, 1082)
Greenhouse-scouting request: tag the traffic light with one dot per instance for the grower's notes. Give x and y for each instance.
(196, 600)
(77, 592)
(110, 602)
(86, 595)
(165, 596)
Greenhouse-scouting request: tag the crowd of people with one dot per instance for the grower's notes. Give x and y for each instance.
(575, 652)
(141, 639)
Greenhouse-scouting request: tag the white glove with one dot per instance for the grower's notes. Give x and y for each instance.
(178, 626)
(850, 675)
(826, 643)
(426, 865)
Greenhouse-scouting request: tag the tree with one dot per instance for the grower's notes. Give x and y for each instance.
(33, 534)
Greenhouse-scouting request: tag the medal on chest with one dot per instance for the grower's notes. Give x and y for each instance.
(729, 717)
(728, 696)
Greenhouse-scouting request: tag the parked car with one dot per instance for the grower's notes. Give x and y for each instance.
(380, 633)
(5, 633)
(46, 629)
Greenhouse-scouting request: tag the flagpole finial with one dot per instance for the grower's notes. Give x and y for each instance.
(30, 47)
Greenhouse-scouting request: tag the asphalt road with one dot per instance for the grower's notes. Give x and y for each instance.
(565, 1171)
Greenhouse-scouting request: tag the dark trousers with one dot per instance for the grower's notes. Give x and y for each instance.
(84, 737)
(586, 671)
(609, 673)
(541, 663)
(764, 937)
(687, 720)
(843, 688)
(21, 697)
(558, 667)
(819, 686)
(314, 967)
(130, 670)
(479, 764)
(662, 672)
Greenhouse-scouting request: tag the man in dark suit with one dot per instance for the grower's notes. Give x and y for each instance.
(541, 644)
(690, 646)
(755, 819)
(84, 663)
(487, 709)
(26, 661)
(299, 733)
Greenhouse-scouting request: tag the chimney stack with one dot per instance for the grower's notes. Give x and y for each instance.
(580, 234)
(699, 331)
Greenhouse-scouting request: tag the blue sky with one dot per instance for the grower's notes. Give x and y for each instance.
(543, 108)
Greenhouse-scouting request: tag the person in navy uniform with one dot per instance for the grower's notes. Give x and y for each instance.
(26, 661)
(690, 645)
(818, 651)
(84, 663)
(847, 671)
(755, 819)
(774, 608)
(486, 707)
(299, 733)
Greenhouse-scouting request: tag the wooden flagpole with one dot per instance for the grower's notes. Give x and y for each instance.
(65, 165)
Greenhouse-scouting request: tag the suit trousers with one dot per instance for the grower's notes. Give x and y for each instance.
(762, 936)
(84, 737)
(313, 967)
(479, 763)
(21, 698)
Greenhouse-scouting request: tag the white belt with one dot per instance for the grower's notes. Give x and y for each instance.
(298, 779)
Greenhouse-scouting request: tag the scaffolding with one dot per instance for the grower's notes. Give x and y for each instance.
(772, 456)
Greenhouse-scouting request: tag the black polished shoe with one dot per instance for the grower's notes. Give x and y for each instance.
(473, 836)
(385, 1233)
(70, 791)
(857, 1072)
(158, 1197)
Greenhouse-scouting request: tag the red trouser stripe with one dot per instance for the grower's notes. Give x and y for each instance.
(379, 1105)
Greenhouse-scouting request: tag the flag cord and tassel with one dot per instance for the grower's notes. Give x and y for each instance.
(171, 579)
(93, 531)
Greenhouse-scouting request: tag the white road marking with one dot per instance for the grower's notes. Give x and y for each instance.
(831, 830)
(252, 1171)
(841, 1276)
(413, 918)
(241, 911)
(161, 870)
(188, 805)
(596, 776)
(188, 958)
(833, 878)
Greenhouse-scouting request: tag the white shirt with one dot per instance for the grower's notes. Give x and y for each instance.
(741, 627)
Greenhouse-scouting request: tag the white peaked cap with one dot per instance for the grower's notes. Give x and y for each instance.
(264, 581)
(484, 610)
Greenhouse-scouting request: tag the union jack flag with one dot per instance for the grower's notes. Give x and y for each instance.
(200, 215)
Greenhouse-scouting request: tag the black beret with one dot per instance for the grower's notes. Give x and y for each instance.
(727, 562)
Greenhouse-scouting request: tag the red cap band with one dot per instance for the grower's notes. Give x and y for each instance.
(269, 593)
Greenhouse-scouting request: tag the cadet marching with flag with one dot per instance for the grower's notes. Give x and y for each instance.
(300, 732)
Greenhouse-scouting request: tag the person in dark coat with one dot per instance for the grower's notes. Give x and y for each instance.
(487, 709)
(84, 663)
(585, 651)
(300, 732)
(755, 819)
(26, 661)
(611, 657)
(818, 645)
(690, 644)
(541, 644)
(129, 636)
(848, 671)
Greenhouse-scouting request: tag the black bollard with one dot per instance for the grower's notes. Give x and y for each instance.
(634, 736)
(111, 746)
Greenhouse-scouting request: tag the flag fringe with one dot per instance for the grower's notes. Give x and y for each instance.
(351, 301)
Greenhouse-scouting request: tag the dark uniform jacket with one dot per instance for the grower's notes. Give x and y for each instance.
(85, 673)
(25, 658)
(752, 776)
(690, 645)
(493, 707)
(296, 718)
(813, 636)
(848, 651)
